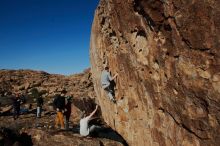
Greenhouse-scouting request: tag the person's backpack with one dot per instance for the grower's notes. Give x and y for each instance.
(55, 100)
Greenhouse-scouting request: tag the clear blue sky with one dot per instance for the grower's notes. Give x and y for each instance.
(49, 35)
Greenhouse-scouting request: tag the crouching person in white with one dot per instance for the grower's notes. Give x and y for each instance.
(85, 129)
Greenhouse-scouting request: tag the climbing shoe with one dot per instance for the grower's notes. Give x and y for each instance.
(113, 100)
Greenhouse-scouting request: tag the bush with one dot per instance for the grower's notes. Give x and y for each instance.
(35, 93)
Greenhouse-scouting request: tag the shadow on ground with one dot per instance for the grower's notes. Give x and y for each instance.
(103, 132)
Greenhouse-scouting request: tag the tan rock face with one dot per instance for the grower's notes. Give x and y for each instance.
(168, 59)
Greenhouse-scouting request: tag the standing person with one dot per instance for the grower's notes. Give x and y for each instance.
(16, 106)
(40, 103)
(59, 104)
(106, 79)
(85, 129)
(67, 112)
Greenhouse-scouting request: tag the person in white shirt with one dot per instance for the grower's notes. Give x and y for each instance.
(85, 130)
(106, 79)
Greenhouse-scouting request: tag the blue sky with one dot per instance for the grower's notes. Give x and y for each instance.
(49, 35)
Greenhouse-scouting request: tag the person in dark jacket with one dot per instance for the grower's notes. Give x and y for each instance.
(16, 106)
(59, 104)
(40, 103)
(67, 112)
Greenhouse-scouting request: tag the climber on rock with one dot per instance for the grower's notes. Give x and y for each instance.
(106, 79)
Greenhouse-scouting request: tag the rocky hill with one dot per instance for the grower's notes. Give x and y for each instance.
(23, 81)
(168, 59)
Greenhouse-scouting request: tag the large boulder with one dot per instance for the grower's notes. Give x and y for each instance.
(168, 59)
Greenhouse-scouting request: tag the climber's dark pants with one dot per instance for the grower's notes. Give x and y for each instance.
(109, 91)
